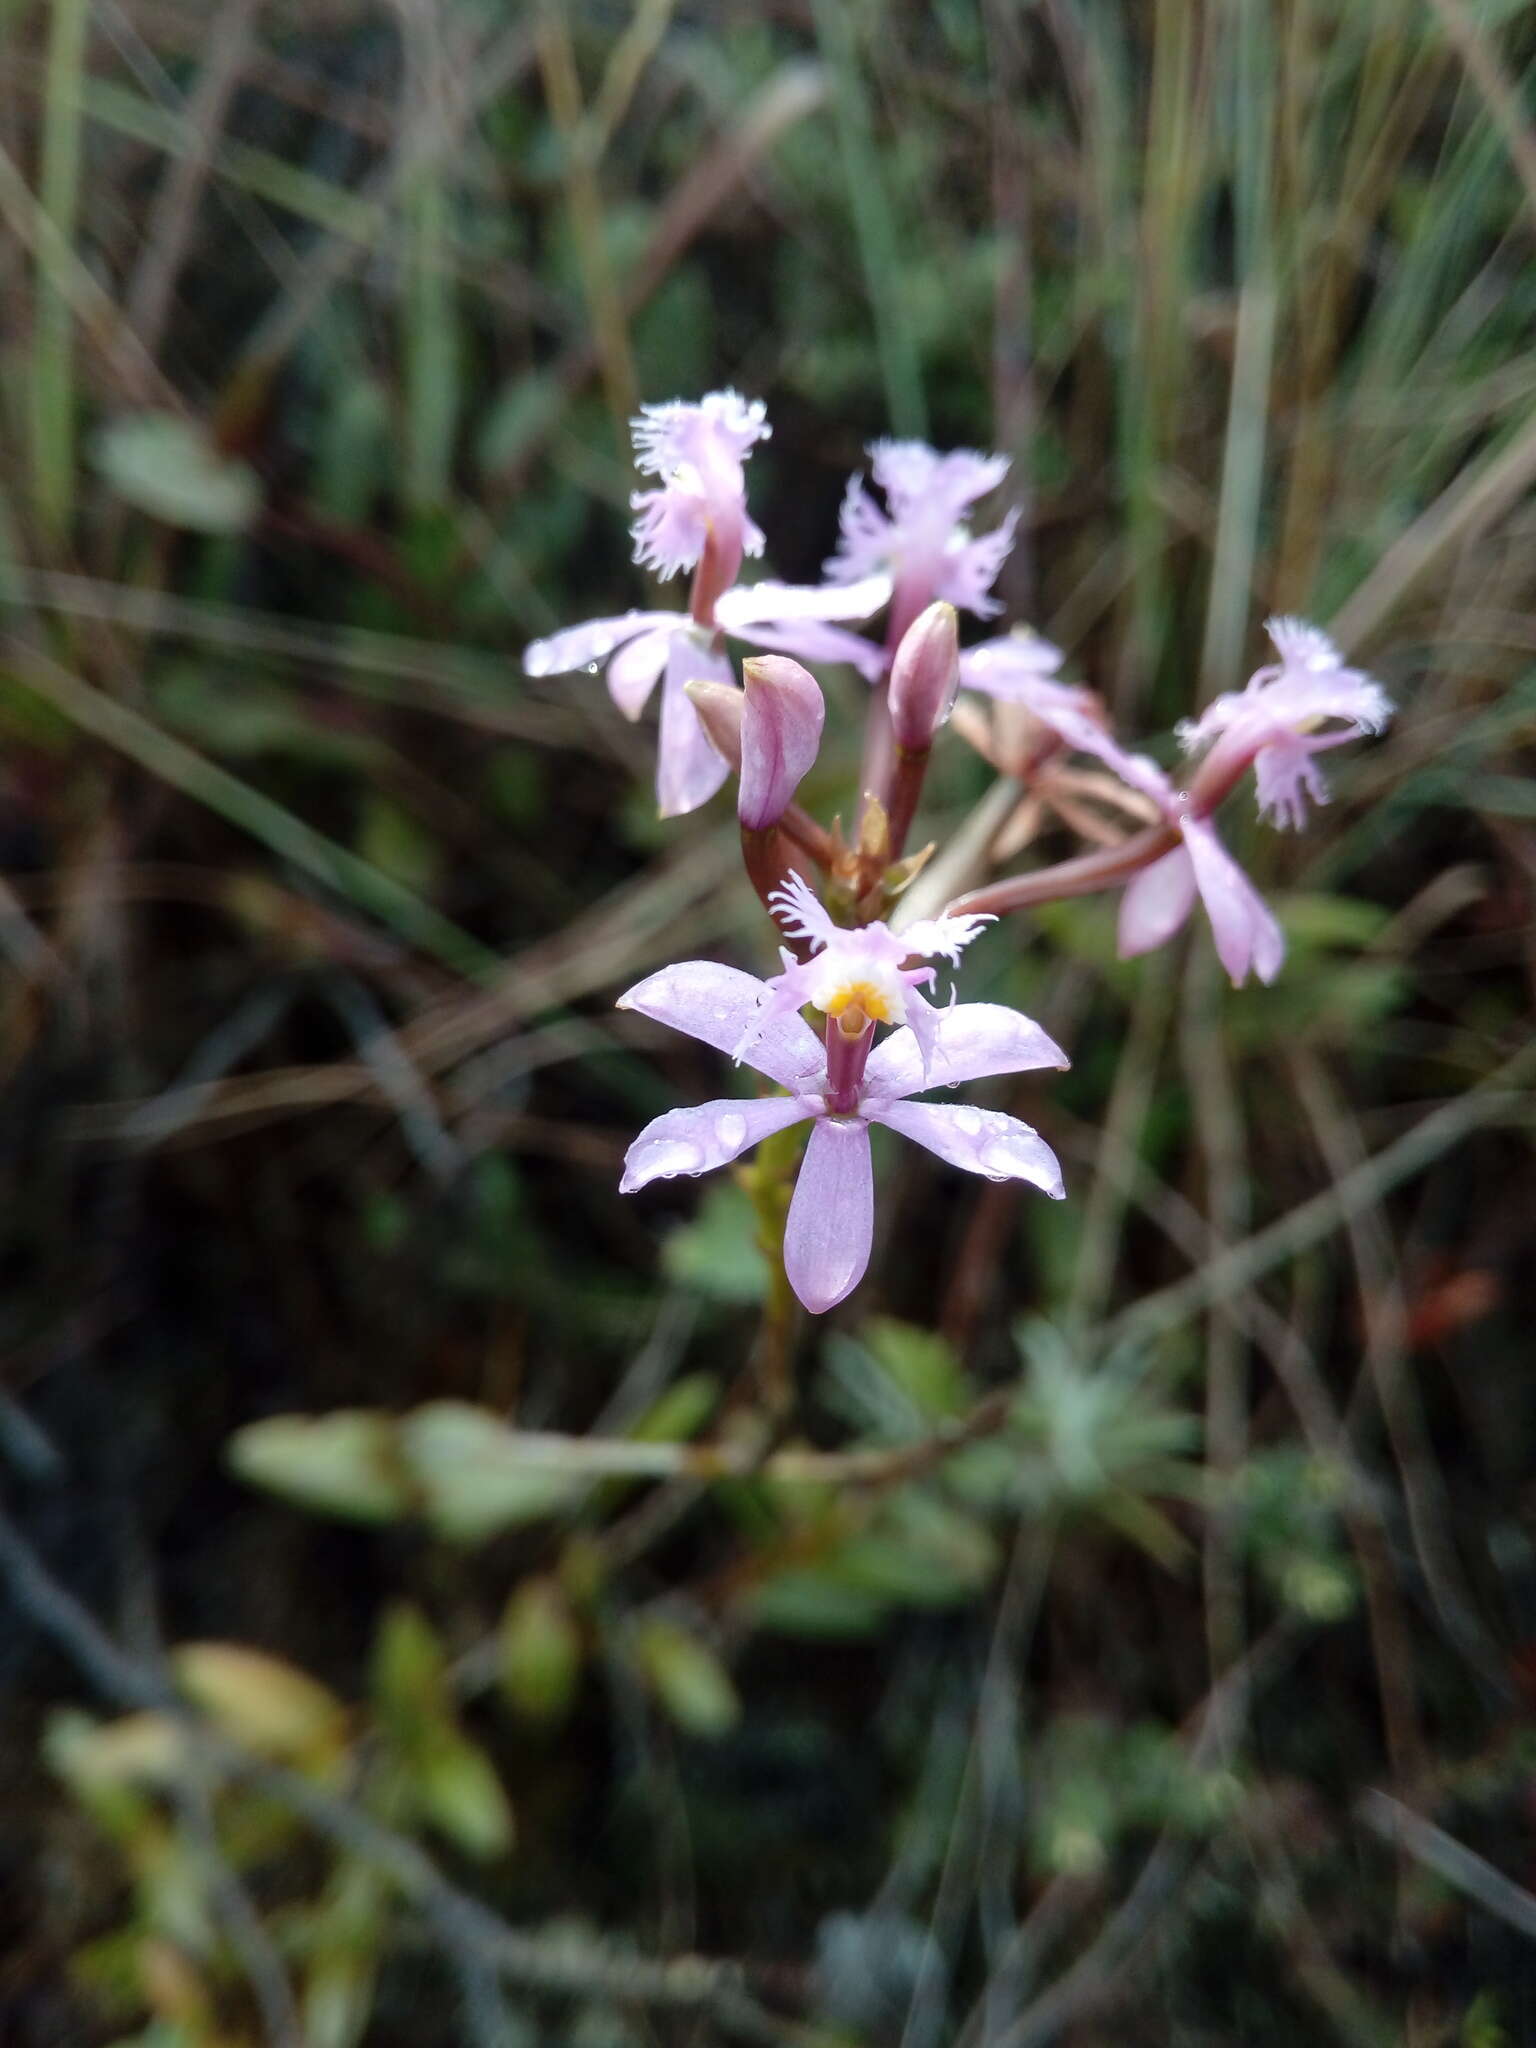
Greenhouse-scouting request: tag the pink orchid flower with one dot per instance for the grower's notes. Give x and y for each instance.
(698, 452)
(1290, 712)
(840, 1088)
(697, 519)
(860, 971)
(922, 540)
(1159, 899)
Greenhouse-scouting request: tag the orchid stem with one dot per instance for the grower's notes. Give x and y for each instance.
(1082, 876)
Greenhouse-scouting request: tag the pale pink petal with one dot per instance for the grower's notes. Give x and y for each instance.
(918, 481)
(983, 1141)
(1302, 645)
(969, 569)
(1242, 924)
(717, 1004)
(682, 431)
(972, 1041)
(688, 769)
(923, 1023)
(944, 937)
(865, 538)
(1017, 664)
(585, 646)
(782, 997)
(802, 914)
(831, 1221)
(769, 603)
(782, 714)
(708, 1135)
(1138, 771)
(1286, 778)
(1156, 903)
(811, 640)
(633, 670)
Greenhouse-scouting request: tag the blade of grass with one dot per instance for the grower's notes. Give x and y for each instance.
(168, 230)
(1242, 471)
(53, 363)
(368, 888)
(429, 350)
(874, 222)
(584, 204)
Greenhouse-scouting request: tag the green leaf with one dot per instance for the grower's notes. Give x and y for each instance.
(687, 1677)
(390, 839)
(818, 1604)
(541, 1650)
(923, 1364)
(716, 1255)
(473, 1477)
(344, 1463)
(680, 1412)
(457, 1790)
(166, 466)
(409, 1666)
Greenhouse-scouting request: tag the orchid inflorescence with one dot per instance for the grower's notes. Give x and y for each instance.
(859, 954)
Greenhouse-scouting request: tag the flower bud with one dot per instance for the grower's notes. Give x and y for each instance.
(781, 719)
(719, 709)
(924, 677)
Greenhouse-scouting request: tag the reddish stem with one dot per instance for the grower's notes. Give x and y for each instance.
(907, 771)
(1079, 877)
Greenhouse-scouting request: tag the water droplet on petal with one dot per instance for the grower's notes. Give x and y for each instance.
(732, 1130)
(664, 1157)
(968, 1120)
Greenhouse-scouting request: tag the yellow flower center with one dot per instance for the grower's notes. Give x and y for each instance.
(862, 995)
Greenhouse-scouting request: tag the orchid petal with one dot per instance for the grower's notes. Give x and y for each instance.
(1242, 923)
(944, 937)
(923, 1023)
(801, 914)
(983, 1141)
(971, 1042)
(1017, 664)
(969, 570)
(811, 640)
(633, 671)
(717, 1004)
(584, 646)
(708, 1135)
(688, 769)
(1156, 902)
(914, 477)
(770, 603)
(831, 1219)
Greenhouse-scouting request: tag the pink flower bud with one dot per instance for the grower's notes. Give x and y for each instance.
(719, 709)
(924, 677)
(781, 719)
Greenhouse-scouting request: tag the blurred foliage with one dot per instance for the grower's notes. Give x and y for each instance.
(1022, 1681)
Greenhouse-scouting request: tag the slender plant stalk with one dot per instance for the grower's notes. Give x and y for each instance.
(53, 363)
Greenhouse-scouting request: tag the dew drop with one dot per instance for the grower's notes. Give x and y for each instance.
(968, 1120)
(732, 1129)
(664, 1157)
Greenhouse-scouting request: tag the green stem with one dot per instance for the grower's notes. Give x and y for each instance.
(53, 369)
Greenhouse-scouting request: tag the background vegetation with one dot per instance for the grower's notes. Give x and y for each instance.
(1136, 1639)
